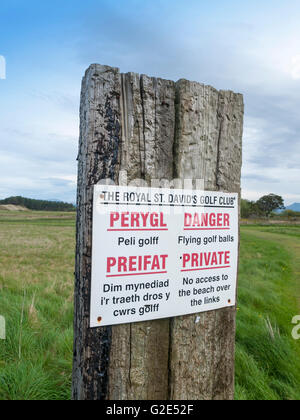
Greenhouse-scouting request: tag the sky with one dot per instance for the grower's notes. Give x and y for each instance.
(248, 46)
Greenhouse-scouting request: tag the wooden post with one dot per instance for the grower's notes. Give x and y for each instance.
(153, 129)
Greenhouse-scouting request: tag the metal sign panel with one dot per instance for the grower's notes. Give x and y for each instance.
(160, 253)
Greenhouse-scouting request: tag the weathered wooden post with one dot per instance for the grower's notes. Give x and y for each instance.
(153, 129)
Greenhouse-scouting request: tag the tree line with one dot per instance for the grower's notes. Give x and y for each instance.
(265, 207)
(42, 205)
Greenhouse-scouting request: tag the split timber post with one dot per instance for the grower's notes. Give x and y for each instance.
(153, 129)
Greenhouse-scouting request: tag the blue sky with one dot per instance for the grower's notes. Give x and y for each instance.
(248, 46)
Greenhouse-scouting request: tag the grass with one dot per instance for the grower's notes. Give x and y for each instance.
(290, 230)
(36, 274)
(267, 357)
(36, 286)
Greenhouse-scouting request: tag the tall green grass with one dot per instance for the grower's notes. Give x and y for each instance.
(267, 357)
(36, 286)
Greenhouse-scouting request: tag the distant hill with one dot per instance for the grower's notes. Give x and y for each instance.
(42, 205)
(294, 207)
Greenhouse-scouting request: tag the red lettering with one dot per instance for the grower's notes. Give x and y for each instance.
(125, 220)
(187, 220)
(219, 219)
(164, 261)
(206, 220)
(162, 223)
(154, 221)
(137, 220)
(136, 264)
(144, 217)
(122, 266)
(195, 258)
(227, 257)
(226, 220)
(212, 220)
(186, 259)
(114, 217)
(206, 260)
(111, 262)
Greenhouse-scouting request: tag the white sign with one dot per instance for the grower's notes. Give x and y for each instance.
(161, 253)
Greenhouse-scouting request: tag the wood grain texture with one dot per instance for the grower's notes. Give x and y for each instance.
(208, 143)
(139, 352)
(138, 128)
(98, 158)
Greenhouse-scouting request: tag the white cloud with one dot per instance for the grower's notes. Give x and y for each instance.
(295, 70)
(71, 179)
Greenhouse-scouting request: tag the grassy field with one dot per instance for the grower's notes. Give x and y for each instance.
(36, 286)
(267, 357)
